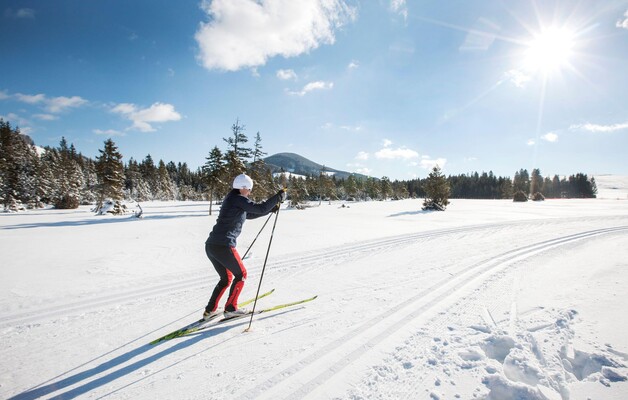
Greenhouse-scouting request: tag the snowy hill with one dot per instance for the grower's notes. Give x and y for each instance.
(489, 300)
(299, 165)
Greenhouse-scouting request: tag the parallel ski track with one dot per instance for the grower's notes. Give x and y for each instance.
(347, 349)
(296, 262)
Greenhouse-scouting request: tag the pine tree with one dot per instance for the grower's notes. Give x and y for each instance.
(68, 177)
(18, 169)
(110, 172)
(536, 182)
(371, 189)
(258, 171)
(149, 175)
(237, 154)
(521, 181)
(298, 191)
(385, 187)
(165, 187)
(437, 191)
(214, 172)
(327, 188)
(351, 187)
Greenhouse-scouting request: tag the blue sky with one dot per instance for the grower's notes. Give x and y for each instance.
(385, 88)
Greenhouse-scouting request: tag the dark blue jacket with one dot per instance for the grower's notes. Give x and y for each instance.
(234, 211)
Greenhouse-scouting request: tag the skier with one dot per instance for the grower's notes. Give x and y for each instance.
(221, 244)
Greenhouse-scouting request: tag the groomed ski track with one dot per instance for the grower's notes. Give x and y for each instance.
(417, 290)
(291, 265)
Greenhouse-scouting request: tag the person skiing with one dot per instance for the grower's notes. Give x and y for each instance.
(220, 246)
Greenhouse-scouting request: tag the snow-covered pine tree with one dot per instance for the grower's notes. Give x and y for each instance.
(110, 172)
(437, 191)
(68, 177)
(165, 186)
(149, 176)
(18, 168)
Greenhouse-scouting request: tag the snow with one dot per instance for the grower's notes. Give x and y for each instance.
(487, 300)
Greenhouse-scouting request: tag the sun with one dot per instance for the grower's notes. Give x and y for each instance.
(550, 50)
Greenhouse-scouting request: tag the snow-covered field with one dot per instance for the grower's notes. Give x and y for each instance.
(488, 300)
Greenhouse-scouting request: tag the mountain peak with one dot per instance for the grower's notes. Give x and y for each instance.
(297, 164)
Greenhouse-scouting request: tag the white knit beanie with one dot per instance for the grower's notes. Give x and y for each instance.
(243, 182)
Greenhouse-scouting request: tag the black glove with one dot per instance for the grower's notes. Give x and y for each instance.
(282, 195)
(276, 208)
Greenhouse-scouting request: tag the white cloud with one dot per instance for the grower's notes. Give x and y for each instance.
(286, 74)
(142, 118)
(531, 142)
(108, 132)
(124, 108)
(353, 64)
(518, 78)
(550, 137)
(600, 128)
(329, 125)
(386, 143)
(59, 104)
(362, 156)
(4, 95)
(400, 7)
(246, 33)
(388, 153)
(54, 104)
(350, 128)
(30, 99)
(363, 171)
(45, 117)
(318, 85)
(428, 163)
(623, 24)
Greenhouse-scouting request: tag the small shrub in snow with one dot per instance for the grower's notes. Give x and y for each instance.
(14, 205)
(109, 206)
(520, 196)
(67, 202)
(538, 196)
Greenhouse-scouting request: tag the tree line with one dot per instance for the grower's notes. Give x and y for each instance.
(60, 176)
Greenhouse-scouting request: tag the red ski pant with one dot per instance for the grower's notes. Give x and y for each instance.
(228, 264)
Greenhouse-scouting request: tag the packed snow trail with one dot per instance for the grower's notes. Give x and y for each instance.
(341, 353)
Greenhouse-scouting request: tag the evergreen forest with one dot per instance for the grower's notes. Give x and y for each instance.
(32, 177)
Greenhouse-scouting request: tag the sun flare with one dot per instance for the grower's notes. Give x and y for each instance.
(550, 50)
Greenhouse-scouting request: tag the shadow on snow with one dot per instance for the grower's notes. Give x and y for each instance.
(99, 220)
(53, 385)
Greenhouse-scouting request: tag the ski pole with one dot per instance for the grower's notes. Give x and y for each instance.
(260, 231)
(263, 269)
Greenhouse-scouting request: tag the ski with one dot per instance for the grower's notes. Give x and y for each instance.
(265, 310)
(201, 322)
